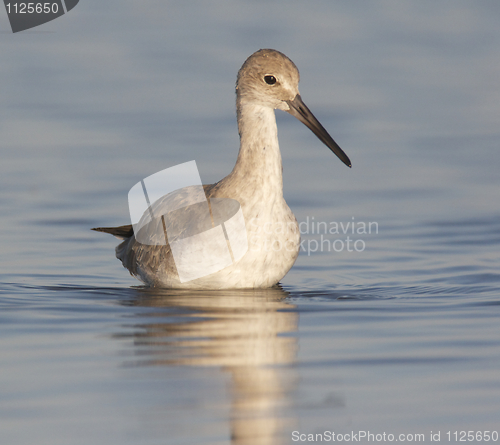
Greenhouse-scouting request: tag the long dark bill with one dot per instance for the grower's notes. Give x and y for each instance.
(304, 115)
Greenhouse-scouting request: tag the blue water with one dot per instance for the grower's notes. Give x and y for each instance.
(399, 335)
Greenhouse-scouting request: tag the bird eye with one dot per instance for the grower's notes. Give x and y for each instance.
(270, 80)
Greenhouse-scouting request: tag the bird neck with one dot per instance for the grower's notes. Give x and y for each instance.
(259, 159)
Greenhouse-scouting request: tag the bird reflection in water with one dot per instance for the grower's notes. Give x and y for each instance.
(240, 331)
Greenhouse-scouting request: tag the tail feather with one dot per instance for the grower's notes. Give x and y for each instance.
(122, 232)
